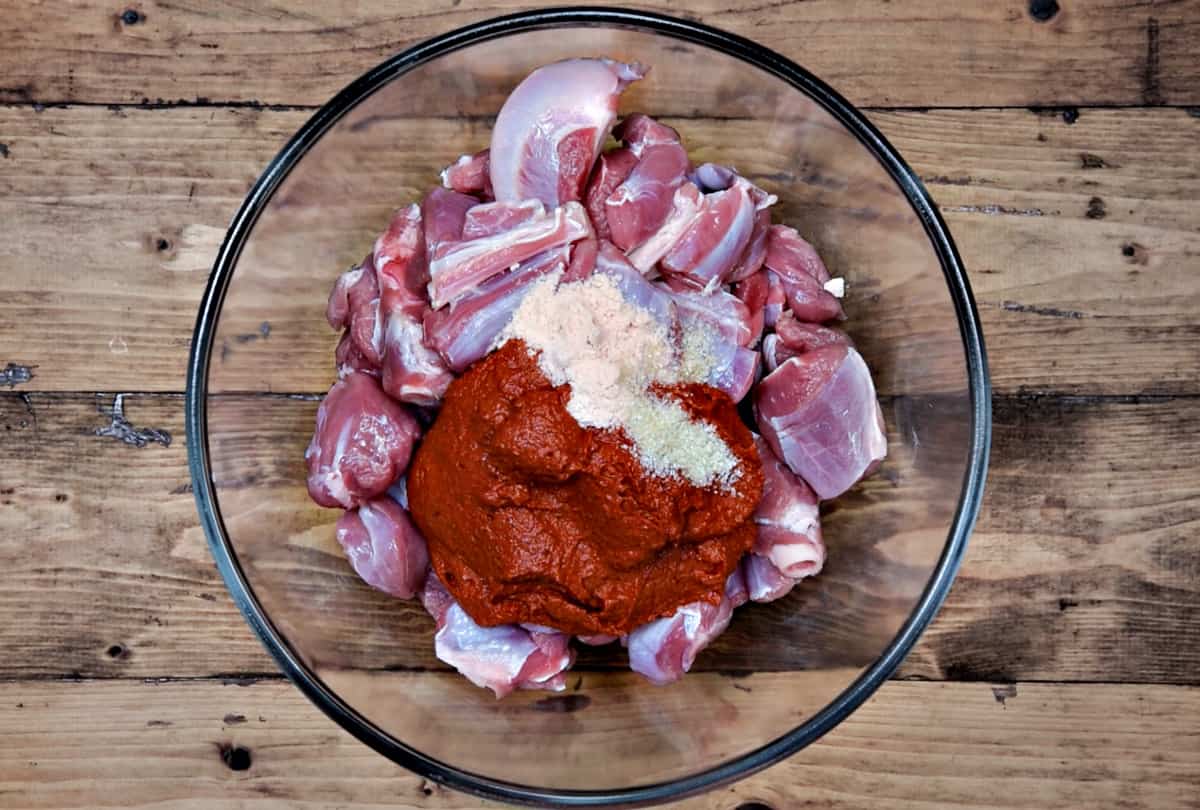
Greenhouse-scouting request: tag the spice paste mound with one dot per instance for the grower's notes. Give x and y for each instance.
(532, 518)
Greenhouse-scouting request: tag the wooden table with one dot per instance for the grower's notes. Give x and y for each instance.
(1057, 138)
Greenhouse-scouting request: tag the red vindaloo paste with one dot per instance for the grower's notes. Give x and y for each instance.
(531, 518)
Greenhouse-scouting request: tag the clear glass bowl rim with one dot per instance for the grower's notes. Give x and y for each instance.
(695, 33)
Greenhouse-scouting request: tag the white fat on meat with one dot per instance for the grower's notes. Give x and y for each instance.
(384, 546)
(819, 414)
(362, 443)
(551, 128)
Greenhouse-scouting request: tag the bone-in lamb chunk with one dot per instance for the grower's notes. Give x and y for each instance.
(819, 413)
(465, 332)
(552, 126)
(460, 268)
(611, 170)
(362, 443)
(764, 582)
(384, 547)
(653, 298)
(753, 292)
(686, 206)
(470, 174)
(803, 276)
(348, 359)
(706, 253)
(412, 371)
(354, 304)
(500, 658)
(489, 219)
(752, 258)
(639, 206)
(788, 519)
(664, 649)
(443, 214)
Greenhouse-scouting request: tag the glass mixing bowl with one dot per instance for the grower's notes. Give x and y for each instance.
(784, 673)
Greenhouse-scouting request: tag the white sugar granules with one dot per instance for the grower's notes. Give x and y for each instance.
(610, 352)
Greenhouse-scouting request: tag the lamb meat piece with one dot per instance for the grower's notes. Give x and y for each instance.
(354, 305)
(776, 300)
(465, 332)
(470, 174)
(753, 293)
(460, 268)
(764, 582)
(805, 280)
(384, 547)
(752, 258)
(611, 170)
(819, 414)
(489, 219)
(640, 132)
(552, 126)
(598, 640)
(638, 207)
(412, 371)
(664, 649)
(708, 250)
(686, 206)
(788, 519)
(583, 259)
(362, 443)
(653, 298)
(500, 658)
(790, 255)
(793, 337)
(347, 358)
(444, 214)
(724, 311)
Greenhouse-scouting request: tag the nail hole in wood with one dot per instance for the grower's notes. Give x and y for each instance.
(162, 244)
(235, 757)
(1043, 10)
(118, 651)
(132, 16)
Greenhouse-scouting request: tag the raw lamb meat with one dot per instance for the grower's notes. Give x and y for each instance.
(803, 276)
(765, 582)
(685, 208)
(444, 214)
(412, 372)
(664, 649)
(465, 332)
(354, 305)
(552, 126)
(610, 172)
(708, 250)
(461, 267)
(362, 443)
(789, 522)
(384, 546)
(500, 658)
(819, 413)
(489, 219)
(470, 174)
(639, 206)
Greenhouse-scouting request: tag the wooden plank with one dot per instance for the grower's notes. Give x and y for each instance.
(913, 745)
(1083, 566)
(912, 54)
(1082, 241)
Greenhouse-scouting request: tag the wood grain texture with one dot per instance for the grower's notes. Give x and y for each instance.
(918, 53)
(913, 745)
(1083, 565)
(1082, 240)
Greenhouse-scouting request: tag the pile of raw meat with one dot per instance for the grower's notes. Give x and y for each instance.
(695, 241)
